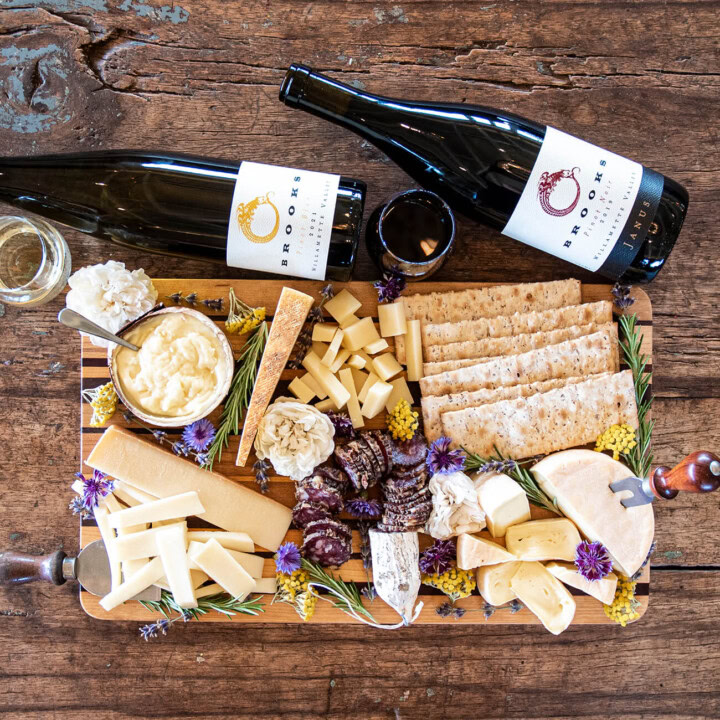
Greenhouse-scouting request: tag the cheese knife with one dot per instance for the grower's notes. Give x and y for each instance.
(90, 568)
(699, 472)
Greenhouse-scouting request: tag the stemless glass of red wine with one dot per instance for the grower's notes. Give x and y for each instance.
(412, 234)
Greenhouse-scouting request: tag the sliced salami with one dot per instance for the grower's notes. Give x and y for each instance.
(329, 525)
(410, 452)
(377, 454)
(346, 458)
(305, 513)
(386, 446)
(328, 496)
(327, 549)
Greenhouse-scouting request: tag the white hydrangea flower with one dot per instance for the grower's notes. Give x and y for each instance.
(110, 295)
(295, 437)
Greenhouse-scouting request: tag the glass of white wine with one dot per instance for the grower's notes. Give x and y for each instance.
(34, 261)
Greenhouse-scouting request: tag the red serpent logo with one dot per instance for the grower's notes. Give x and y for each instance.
(547, 184)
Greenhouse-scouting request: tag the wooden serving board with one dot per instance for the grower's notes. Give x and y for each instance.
(265, 293)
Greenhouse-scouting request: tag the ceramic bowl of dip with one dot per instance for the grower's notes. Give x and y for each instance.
(181, 373)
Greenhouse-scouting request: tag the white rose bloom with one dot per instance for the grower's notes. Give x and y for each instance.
(456, 508)
(295, 437)
(110, 295)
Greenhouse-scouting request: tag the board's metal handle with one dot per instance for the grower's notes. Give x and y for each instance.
(699, 472)
(17, 568)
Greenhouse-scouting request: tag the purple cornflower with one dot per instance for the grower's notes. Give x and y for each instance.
(592, 560)
(77, 506)
(363, 509)
(621, 295)
(441, 459)
(390, 287)
(199, 435)
(287, 558)
(96, 487)
(438, 558)
(342, 423)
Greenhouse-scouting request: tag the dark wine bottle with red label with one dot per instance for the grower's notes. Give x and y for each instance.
(534, 183)
(253, 216)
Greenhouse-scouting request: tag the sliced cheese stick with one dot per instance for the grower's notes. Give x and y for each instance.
(229, 540)
(146, 576)
(252, 563)
(217, 562)
(267, 586)
(173, 507)
(108, 536)
(140, 545)
(171, 548)
(129, 489)
(197, 578)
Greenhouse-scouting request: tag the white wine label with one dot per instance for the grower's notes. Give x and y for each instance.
(585, 205)
(281, 220)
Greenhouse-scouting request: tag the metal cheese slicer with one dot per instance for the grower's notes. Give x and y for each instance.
(699, 472)
(75, 320)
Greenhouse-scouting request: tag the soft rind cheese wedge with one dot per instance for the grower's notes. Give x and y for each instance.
(579, 481)
(549, 539)
(544, 595)
(220, 565)
(504, 503)
(473, 551)
(603, 589)
(493, 582)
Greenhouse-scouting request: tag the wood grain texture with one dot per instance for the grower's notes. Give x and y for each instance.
(640, 78)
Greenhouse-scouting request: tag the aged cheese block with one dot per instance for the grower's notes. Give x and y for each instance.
(549, 539)
(314, 385)
(290, 314)
(579, 481)
(360, 334)
(357, 362)
(107, 534)
(217, 562)
(473, 551)
(167, 508)
(143, 578)
(396, 571)
(300, 390)
(324, 332)
(544, 595)
(266, 585)
(171, 548)
(504, 503)
(603, 589)
(377, 346)
(401, 391)
(122, 455)
(331, 353)
(376, 398)
(371, 379)
(493, 582)
(386, 366)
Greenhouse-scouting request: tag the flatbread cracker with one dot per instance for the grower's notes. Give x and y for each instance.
(492, 301)
(506, 325)
(586, 355)
(544, 423)
(434, 406)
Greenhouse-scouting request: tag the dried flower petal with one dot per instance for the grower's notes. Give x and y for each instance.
(342, 423)
(621, 295)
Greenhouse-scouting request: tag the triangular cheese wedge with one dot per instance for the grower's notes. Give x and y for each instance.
(579, 481)
(473, 552)
(603, 589)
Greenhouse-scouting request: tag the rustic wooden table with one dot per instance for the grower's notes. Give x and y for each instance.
(640, 78)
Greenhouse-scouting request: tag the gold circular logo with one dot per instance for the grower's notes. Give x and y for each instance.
(246, 213)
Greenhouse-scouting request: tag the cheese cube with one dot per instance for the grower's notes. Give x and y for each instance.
(175, 506)
(413, 351)
(375, 347)
(348, 321)
(342, 305)
(217, 562)
(475, 551)
(300, 390)
(171, 548)
(326, 405)
(504, 503)
(357, 362)
(331, 353)
(143, 578)
(544, 596)
(550, 539)
(376, 398)
(337, 393)
(229, 540)
(392, 319)
(401, 391)
(602, 589)
(367, 359)
(493, 582)
(314, 385)
(324, 332)
(320, 348)
(353, 406)
(386, 366)
(342, 356)
(360, 334)
(371, 379)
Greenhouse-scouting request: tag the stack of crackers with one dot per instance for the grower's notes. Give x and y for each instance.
(527, 369)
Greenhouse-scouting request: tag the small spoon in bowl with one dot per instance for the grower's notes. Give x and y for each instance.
(75, 320)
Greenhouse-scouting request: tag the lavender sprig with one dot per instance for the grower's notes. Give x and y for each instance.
(261, 468)
(621, 295)
(304, 340)
(390, 287)
(192, 437)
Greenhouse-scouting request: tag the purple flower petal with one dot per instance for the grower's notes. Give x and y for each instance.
(438, 558)
(364, 509)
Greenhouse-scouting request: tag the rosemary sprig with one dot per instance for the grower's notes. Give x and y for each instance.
(515, 470)
(222, 603)
(344, 596)
(240, 393)
(639, 459)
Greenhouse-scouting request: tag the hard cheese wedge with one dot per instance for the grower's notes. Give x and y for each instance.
(143, 578)
(544, 595)
(217, 562)
(474, 551)
(120, 454)
(493, 582)
(504, 503)
(550, 539)
(579, 481)
(142, 544)
(173, 507)
(603, 589)
(252, 564)
(171, 548)
(290, 314)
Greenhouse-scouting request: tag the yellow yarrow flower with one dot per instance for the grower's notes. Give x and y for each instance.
(293, 589)
(103, 400)
(624, 608)
(455, 583)
(241, 317)
(619, 439)
(402, 422)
